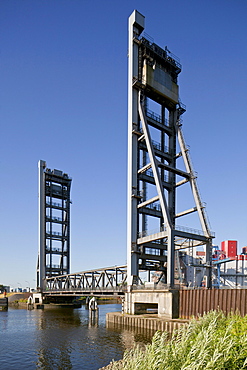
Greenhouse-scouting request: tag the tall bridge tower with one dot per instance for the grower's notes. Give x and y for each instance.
(54, 224)
(155, 143)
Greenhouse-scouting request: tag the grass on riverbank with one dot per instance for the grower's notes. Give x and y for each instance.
(215, 342)
(7, 295)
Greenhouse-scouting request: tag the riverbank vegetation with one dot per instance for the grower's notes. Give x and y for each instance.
(214, 342)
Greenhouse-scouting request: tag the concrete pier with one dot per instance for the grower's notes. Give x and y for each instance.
(142, 322)
(3, 304)
(166, 301)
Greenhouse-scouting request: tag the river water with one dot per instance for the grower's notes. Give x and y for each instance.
(61, 339)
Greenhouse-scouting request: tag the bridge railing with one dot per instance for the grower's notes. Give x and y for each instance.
(110, 278)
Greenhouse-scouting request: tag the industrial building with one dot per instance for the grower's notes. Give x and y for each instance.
(229, 267)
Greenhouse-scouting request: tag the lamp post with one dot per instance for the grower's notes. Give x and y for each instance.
(28, 287)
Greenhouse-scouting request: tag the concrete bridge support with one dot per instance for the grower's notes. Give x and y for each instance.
(166, 301)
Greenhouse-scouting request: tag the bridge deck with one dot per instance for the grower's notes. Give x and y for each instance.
(86, 292)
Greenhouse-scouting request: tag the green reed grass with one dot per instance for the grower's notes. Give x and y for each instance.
(214, 341)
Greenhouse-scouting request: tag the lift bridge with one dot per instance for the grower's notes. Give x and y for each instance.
(159, 165)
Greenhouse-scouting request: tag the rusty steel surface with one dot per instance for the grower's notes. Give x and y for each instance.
(196, 302)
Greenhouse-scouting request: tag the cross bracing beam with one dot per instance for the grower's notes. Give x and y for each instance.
(162, 153)
(147, 202)
(188, 164)
(153, 257)
(176, 171)
(148, 177)
(154, 210)
(154, 163)
(145, 168)
(185, 242)
(159, 126)
(182, 182)
(187, 212)
(156, 245)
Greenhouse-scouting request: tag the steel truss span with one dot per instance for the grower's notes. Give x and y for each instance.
(156, 146)
(103, 281)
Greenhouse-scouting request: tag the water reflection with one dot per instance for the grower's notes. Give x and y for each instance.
(4, 321)
(93, 318)
(132, 336)
(138, 334)
(69, 338)
(58, 318)
(59, 359)
(62, 339)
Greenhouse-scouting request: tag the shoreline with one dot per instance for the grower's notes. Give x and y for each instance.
(142, 323)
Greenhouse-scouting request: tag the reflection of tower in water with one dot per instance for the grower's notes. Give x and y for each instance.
(93, 318)
(53, 346)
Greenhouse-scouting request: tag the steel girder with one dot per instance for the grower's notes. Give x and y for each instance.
(99, 280)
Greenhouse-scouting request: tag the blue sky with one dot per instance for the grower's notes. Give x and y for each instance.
(63, 99)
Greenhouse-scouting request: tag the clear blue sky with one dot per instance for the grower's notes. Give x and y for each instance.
(63, 86)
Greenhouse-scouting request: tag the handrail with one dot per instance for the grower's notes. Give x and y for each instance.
(156, 117)
(54, 266)
(150, 173)
(154, 206)
(158, 146)
(54, 204)
(163, 53)
(48, 218)
(191, 230)
(57, 233)
(142, 234)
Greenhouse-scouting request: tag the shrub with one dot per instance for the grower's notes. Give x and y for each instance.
(214, 341)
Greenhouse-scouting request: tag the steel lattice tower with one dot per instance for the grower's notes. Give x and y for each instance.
(54, 224)
(155, 142)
